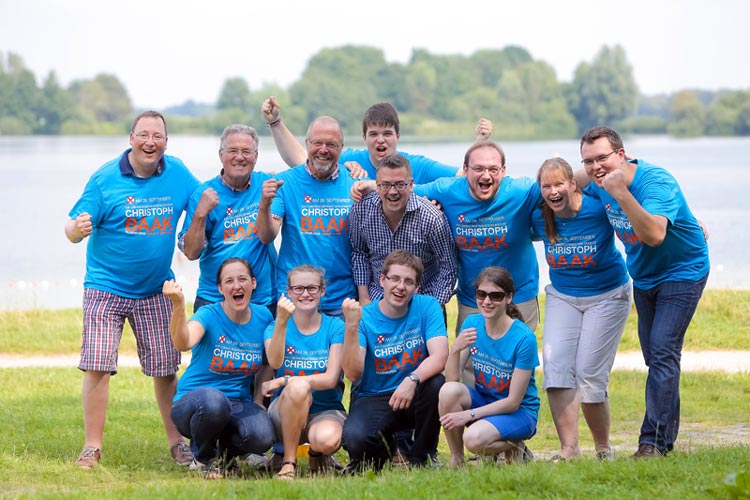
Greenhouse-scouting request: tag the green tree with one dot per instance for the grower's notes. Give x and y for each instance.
(492, 63)
(20, 99)
(604, 91)
(234, 94)
(687, 114)
(103, 99)
(56, 106)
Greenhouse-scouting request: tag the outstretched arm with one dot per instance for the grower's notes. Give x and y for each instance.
(290, 150)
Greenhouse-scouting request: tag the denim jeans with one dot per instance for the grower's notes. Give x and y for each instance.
(218, 426)
(369, 431)
(664, 313)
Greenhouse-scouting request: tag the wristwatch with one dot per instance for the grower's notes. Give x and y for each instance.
(472, 414)
(414, 377)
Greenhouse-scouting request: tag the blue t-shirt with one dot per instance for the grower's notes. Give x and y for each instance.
(228, 355)
(308, 355)
(495, 360)
(230, 232)
(683, 255)
(584, 261)
(130, 250)
(423, 169)
(395, 347)
(494, 232)
(315, 230)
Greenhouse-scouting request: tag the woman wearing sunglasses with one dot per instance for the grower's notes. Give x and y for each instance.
(500, 411)
(304, 346)
(587, 305)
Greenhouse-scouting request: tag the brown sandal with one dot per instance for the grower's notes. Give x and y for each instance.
(288, 475)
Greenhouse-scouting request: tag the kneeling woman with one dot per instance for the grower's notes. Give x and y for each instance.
(304, 346)
(214, 405)
(502, 408)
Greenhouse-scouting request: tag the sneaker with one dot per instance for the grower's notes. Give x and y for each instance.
(181, 453)
(323, 463)
(208, 471)
(89, 458)
(646, 451)
(607, 455)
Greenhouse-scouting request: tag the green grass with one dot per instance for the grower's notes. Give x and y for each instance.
(722, 322)
(42, 432)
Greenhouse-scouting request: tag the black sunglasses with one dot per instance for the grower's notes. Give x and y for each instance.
(494, 296)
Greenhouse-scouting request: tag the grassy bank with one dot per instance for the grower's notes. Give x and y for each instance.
(722, 322)
(42, 434)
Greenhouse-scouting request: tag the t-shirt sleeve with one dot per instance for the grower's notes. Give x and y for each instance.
(528, 355)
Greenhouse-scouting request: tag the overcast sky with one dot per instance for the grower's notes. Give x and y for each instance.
(168, 51)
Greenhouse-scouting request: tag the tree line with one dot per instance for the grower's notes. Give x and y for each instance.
(435, 95)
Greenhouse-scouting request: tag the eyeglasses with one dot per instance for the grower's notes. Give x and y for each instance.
(494, 296)
(145, 136)
(398, 279)
(480, 170)
(386, 186)
(299, 289)
(247, 153)
(329, 145)
(599, 159)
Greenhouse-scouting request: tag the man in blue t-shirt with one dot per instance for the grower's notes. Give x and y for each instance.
(128, 211)
(667, 257)
(396, 358)
(380, 131)
(221, 216)
(312, 201)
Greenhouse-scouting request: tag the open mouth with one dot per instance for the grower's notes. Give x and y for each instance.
(238, 297)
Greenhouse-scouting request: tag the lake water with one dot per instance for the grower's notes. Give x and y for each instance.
(43, 176)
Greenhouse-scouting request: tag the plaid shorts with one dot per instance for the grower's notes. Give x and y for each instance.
(104, 316)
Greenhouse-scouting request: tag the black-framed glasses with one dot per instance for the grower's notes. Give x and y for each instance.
(588, 162)
(386, 186)
(494, 296)
(398, 279)
(299, 289)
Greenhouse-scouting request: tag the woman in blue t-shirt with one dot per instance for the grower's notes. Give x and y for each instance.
(304, 347)
(215, 404)
(588, 302)
(502, 407)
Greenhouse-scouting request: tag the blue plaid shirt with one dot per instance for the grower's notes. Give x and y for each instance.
(423, 231)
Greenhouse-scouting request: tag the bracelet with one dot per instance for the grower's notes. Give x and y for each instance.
(273, 123)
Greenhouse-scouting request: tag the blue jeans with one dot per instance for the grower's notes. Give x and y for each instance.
(664, 313)
(218, 426)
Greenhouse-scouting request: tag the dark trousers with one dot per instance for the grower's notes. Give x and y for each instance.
(369, 431)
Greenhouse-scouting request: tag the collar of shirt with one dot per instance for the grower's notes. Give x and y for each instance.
(332, 177)
(127, 169)
(221, 176)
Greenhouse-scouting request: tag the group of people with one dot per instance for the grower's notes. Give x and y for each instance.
(358, 289)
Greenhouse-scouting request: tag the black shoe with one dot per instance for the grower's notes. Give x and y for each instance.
(646, 451)
(353, 468)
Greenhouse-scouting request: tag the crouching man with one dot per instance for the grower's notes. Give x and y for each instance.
(397, 357)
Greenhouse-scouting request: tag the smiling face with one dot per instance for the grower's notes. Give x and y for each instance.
(491, 309)
(305, 289)
(394, 201)
(381, 141)
(399, 284)
(324, 142)
(558, 191)
(148, 141)
(599, 158)
(238, 157)
(236, 285)
(484, 171)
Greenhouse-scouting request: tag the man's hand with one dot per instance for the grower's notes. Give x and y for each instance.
(271, 110)
(483, 130)
(83, 227)
(355, 170)
(614, 182)
(209, 200)
(403, 395)
(360, 189)
(270, 188)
